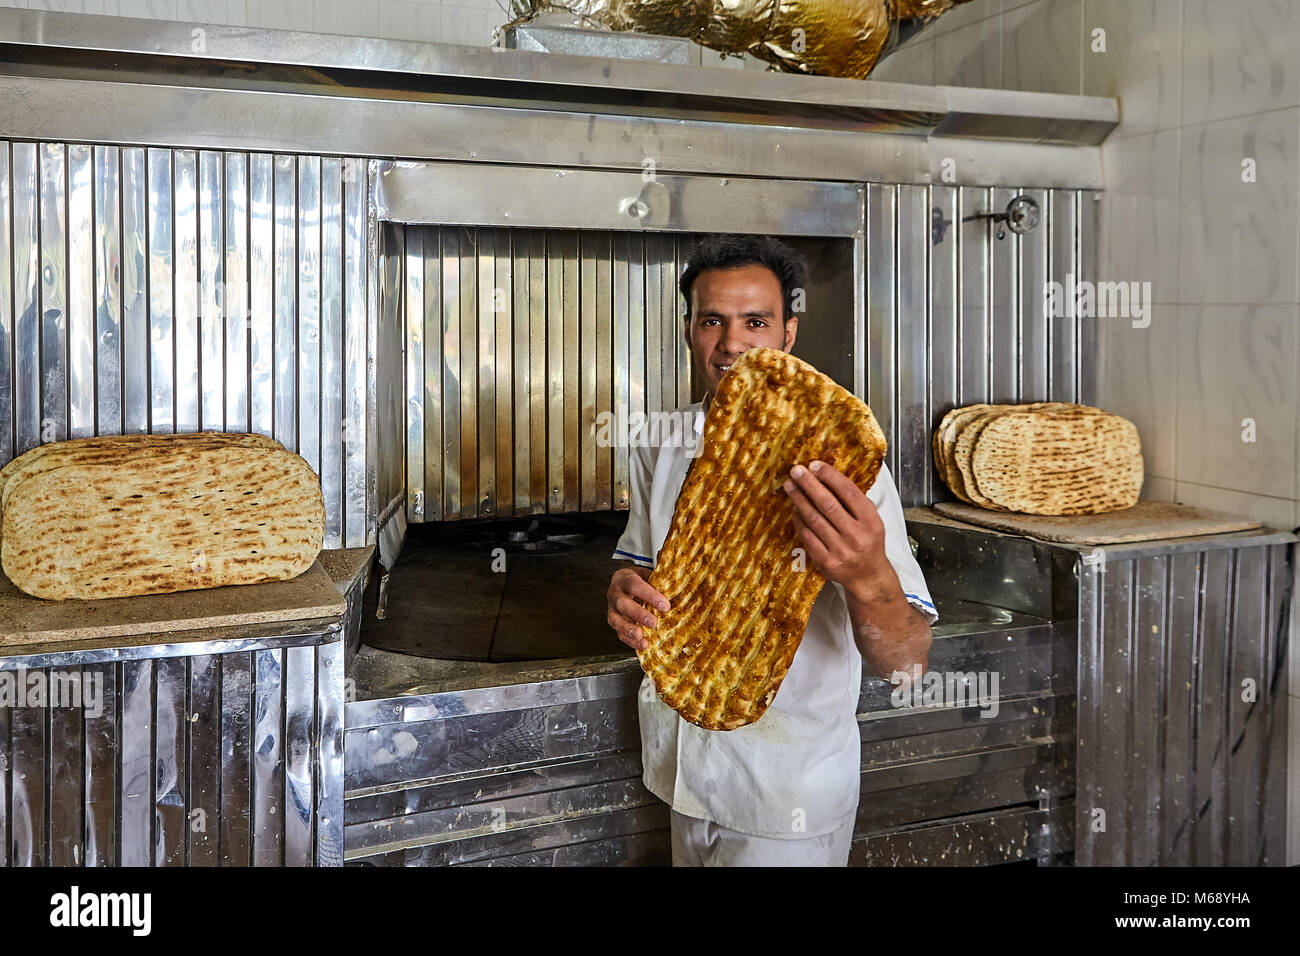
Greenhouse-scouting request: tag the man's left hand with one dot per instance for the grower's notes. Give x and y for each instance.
(840, 529)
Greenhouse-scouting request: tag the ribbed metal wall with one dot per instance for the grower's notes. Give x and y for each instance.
(175, 290)
(1178, 764)
(503, 324)
(956, 315)
(212, 760)
(520, 337)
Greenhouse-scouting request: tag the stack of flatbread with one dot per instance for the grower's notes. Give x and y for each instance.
(150, 514)
(740, 593)
(1046, 458)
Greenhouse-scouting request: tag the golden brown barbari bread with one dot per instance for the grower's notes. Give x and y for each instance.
(184, 515)
(740, 596)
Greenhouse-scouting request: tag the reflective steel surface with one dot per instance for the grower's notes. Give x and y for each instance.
(174, 290)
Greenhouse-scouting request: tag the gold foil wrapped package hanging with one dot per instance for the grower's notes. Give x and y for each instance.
(841, 38)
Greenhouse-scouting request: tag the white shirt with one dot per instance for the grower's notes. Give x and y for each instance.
(794, 773)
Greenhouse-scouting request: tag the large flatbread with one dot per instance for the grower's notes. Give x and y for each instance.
(110, 449)
(177, 519)
(1065, 461)
(739, 602)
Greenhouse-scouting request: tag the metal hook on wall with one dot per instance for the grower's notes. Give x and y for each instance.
(1020, 216)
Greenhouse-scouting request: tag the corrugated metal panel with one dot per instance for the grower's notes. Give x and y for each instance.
(515, 340)
(155, 289)
(528, 317)
(1181, 709)
(208, 760)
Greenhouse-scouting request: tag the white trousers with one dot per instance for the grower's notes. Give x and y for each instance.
(704, 843)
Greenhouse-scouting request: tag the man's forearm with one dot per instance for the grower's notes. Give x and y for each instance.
(890, 633)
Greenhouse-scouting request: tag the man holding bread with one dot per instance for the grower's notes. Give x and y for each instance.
(783, 790)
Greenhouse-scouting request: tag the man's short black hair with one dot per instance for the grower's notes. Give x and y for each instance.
(730, 251)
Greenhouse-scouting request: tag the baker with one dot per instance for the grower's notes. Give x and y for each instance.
(781, 791)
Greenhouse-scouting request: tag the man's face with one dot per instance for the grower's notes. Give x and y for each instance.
(733, 310)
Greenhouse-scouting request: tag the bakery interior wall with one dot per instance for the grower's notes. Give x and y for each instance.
(1201, 201)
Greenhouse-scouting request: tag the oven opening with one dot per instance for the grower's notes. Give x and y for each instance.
(502, 589)
(520, 348)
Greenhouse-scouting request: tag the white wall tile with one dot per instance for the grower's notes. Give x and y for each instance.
(347, 18)
(1238, 58)
(911, 63)
(468, 26)
(211, 11)
(1139, 212)
(961, 16)
(1046, 49)
(1155, 488)
(1237, 362)
(1137, 378)
(1277, 513)
(147, 9)
(970, 55)
(410, 20)
(282, 14)
(1238, 239)
(1140, 65)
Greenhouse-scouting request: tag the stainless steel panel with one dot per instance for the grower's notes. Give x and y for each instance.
(102, 777)
(237, 750)
(1085, 370)
(975, 279)
(502, 437)
(911, 465)
(135, 747)
(945, 317)
(203, 799)
(1005, 343)
(169, 731)
(598, 250)
(882, 313)
(185, 281)
(328, 738)
(25, 222)
(332, 359)
(1031, 273)
(109, 267)
(81, 292)
(135, 292)
(413, 321)
(267, 765)
(1170, 746)
(300, 681)
(214, 379)
(66, 773)
(53, 322)
(482, 194)
(234, 305)
(283, 345)
(6, 325)
(311, 386)
(358, 511)
(152, 765)
(1035, 117)
(161, 295)
(1063, 267)
(262, 291)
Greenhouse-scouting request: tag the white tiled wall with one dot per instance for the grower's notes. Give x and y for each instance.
(1202, 85)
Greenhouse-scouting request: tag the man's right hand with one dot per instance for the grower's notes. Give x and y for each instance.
(627, 587)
